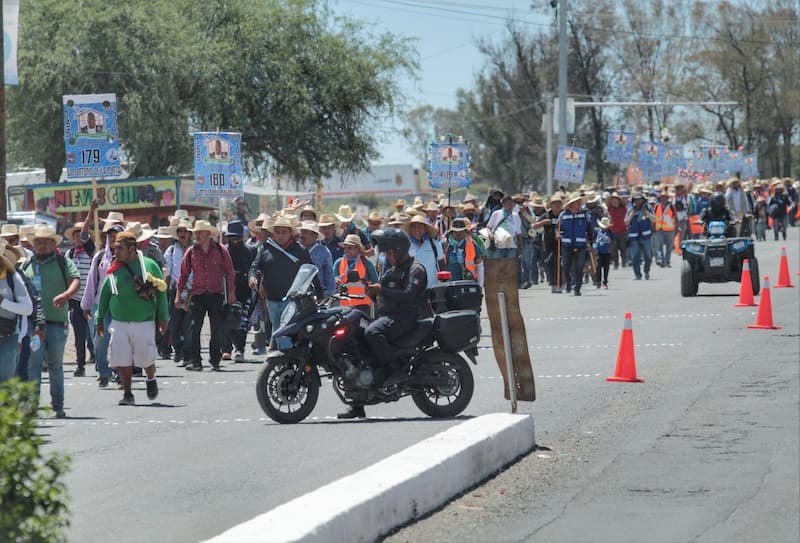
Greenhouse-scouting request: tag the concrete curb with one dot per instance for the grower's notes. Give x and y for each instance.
(365, 505)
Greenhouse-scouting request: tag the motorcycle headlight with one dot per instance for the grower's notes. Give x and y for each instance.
(288, 313)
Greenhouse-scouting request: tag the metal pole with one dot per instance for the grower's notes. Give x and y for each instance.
(512, 381)
(3, 203)
(562, 72)
(549, 143)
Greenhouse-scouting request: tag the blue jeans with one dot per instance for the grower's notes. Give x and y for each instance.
(52, 350)
(640, 251)
(502, 253)
(527, 267)
(275, 309)
(572, 261)
(100, 343)
(779, 225)
(664, 246)
(9, 354)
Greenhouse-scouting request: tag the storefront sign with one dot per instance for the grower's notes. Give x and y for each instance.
(114, 195)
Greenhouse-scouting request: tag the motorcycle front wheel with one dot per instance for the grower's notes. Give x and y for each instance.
(285, 392)
(445, 401)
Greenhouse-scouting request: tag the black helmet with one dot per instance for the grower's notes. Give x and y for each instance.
(717, 202)
(391, 238)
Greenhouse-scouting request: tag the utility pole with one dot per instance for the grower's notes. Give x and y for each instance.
(562, 72)
(3, 203)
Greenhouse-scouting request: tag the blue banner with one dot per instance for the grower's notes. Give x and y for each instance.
(734, 162)
(448, 165)
(570, 164)
(714, 161)
(750, 167)
(620, 145)
(651, 156)
(673, 160)
(90, 136)
(218, 164)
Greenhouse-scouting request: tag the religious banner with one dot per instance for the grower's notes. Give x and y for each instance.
(570, 164)
(619, 147)
(10, 33)
(90, 136)
(673, 161)
(750, 166)
(651, 155)
(448, 165)
(714, 162)
(733, 162)
(218, 164)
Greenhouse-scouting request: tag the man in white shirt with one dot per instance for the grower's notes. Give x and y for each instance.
(507, 244)
(736, 200)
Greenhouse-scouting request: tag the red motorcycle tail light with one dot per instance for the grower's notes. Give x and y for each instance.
(340, 332)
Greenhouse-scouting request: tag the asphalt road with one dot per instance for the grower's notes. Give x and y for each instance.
(705, 449)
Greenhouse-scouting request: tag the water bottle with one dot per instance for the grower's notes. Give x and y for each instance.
(36, 343)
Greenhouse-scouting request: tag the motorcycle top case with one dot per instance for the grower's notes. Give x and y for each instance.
(456, 295)
(458, 330)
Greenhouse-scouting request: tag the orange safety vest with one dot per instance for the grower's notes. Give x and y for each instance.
(665, 221)
(470, 254)
(696, 229)
(354, 288)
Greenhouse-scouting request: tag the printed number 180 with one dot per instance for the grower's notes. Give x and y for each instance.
(216, 179)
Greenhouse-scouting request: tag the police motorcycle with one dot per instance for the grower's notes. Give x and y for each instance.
(328, 342)
(717, 258)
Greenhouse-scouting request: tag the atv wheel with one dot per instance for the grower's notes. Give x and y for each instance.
(688, 284)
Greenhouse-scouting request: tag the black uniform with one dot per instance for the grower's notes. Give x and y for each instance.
(708, 215)
(401, 301)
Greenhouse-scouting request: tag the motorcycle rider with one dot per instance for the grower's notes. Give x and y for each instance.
(401, 298)
(717, 211)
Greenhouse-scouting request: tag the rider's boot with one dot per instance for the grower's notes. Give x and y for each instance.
(355, 412)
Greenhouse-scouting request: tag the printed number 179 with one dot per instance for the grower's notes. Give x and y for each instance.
(90, 156)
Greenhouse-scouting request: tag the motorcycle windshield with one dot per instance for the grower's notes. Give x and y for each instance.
(302, 281)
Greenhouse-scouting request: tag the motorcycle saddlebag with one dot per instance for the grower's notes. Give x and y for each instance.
(456, 295)
(458, 330)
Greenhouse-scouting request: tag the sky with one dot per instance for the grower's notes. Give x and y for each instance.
(444, 33)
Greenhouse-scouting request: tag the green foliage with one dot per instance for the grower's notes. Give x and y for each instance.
(33, 504)
(306, 89)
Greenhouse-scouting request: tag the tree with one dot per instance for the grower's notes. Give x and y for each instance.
(306, 89)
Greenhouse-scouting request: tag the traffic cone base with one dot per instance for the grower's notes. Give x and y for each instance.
(746, 287)
(764, 315)
(784, 280)
(625, 371)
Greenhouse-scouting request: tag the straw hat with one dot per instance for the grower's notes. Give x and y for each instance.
(592, 197)
(375, 217)
(418, 202)
(572, 198)
(25, 230)
(400, 204)
(413, 212)
(327, 219)
(556, 198)
(519, 198)
(45, 232)
(416, 219)
(9, 230)
(72, 229)
(181, 214)
(13, 253)
(470, 198)
(204, 226)
(605, 223)
(165, 232)
(637, 194)
(537, 202)
(345, 213)
(399, 220)
(309, 209)
(352, 240)
(469, 206)
(283, 222)
(138, 230)
(257, 224)
(114, 216)
(432, 206)
(310, 226)
(459, 225)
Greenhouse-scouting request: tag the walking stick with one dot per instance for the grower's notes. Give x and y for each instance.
(558, 266)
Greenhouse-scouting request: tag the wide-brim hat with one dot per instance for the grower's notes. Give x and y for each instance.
(257, 224)
(327, 219)
(345, 213)
(417, 219)
(14, 253)
(181, 214)
(537, 202)
(283, 222)
(556, 198)
(166, 232)
(572, 198)
(519, 197)
(400, 203)
(469, 206)
(138, 230)
(592, 197)
(310, 226)
(470, 198)
(113, 216)
(414, 212)
(352, 240)
(605, 223)
(431, 206)
(72, 229)
(25, 230)
(204, 226)
(234, 228)
(45, 232)
(9, 230)
(459, 224)
(637, 195)
(308, 209)
(399, 219)
(375, 217)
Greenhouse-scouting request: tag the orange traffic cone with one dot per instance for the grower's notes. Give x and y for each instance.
(764, 316)
(626, 359)
(746, 288)
(784, 281)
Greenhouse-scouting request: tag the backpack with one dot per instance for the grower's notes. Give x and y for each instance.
(62, 265)
(32, 293)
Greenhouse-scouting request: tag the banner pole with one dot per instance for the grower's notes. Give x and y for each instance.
(96, 217)
(512, 381)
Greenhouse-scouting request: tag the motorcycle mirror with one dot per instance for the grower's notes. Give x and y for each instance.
(353, 277)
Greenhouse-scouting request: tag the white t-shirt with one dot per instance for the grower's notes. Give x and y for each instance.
(513, 224)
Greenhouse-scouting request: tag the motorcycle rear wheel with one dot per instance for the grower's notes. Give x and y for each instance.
(444, 402)
(279, 397)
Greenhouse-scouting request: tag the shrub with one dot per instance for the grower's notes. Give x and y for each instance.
(33, 504)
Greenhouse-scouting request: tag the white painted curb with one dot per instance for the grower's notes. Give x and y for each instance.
(398, 489)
